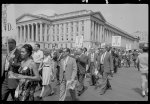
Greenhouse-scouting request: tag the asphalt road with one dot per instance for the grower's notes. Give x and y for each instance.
(126, 86)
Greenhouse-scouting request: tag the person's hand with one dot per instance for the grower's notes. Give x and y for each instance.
(11, 61)
(112, 72)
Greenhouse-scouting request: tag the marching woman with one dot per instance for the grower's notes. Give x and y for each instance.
(47, 74)
(28, 75)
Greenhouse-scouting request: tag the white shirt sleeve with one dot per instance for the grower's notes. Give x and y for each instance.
(38, 57)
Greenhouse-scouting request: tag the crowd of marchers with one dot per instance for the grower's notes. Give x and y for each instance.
(29, 69)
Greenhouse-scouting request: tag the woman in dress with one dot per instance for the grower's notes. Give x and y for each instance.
(28, 76)
(47, 74)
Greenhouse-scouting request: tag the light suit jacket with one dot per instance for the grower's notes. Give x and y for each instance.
(71, 69)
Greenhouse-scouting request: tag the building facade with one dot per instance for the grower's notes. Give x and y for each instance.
(61, 30)
(143, 36)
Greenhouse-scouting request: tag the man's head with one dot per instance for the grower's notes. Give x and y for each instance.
(11, 44)
(84, 49)
(107, 47)
(66, 52)
(37, 47)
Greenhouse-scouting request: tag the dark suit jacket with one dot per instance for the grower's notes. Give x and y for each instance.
(12, 83)
(82, 61)
(108, 62)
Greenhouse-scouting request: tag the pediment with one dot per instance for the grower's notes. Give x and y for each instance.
(99, 16)
(26, 18)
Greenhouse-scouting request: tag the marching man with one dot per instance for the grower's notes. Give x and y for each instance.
(68, 73)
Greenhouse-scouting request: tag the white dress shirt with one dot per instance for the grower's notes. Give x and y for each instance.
(38, 56)
(102, 58)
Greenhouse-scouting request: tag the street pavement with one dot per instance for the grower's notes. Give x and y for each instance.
(126, 86)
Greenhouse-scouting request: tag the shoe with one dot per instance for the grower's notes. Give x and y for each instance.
(102, 93)
(39, 98)
(143, 94)
(109, 88)
(58, 83)
(52, 93)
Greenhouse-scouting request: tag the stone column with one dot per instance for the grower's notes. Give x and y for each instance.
(60, 32)
(74, 31)
(32, 34)
(37, 35)
(51, 34)
(28, 32)
(24, 33)
(41, 32)
(18, 34)
(45, 33)
(64, 38)
(69, 31)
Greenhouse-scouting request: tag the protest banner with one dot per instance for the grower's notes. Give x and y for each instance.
(79, 41)
(8, 22)
(116, 41)
(103, 45)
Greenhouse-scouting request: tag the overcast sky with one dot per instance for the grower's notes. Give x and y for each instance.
(128, 17)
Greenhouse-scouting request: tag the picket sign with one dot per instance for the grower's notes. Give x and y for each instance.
(116, 41)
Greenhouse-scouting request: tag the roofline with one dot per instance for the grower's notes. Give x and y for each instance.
(68, 13)
(98, 13)
(117, 28)
(36, 16)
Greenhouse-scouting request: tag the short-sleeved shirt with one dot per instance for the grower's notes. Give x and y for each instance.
(143, 62)
(38, 56)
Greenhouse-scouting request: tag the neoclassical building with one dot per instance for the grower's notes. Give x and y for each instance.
(61, 30)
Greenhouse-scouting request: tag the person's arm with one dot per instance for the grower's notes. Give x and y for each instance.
(74, 73)
(137, 61)
(111, 63)
(35, 71)
(41, 57)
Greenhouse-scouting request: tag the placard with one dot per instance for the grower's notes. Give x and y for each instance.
(116, 41)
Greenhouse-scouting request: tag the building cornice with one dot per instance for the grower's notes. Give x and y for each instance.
(120, 30)
(35, 16)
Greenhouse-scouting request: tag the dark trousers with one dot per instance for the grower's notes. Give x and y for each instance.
(40, 73)
(93, 78)
(81, 82)
(101, 69)
(73, 94)
(5, 89)
(105, 82)
(57, 73)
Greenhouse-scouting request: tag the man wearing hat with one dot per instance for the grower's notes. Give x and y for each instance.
(12, 64)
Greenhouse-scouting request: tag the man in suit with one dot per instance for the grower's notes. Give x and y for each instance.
(68, 73)
(107, 62)
(12, 64)
(59, 57)
(82, 63)
(93, 58)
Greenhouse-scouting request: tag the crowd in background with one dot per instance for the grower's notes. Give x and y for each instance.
(35, 69)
